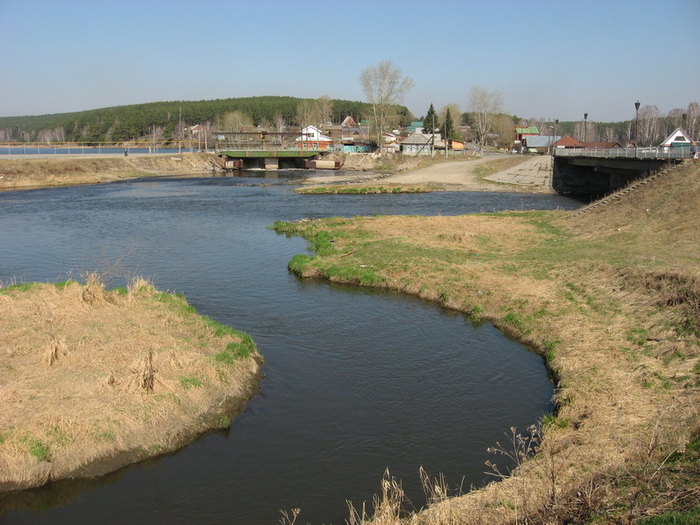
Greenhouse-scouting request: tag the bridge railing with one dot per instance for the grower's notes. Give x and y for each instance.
(628, 153)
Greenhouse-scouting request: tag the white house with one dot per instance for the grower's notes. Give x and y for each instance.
(677, 139)
(312, 138)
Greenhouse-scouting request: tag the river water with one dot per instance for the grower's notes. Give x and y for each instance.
(356, 380)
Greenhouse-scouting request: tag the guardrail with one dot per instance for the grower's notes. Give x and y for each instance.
(627, 153)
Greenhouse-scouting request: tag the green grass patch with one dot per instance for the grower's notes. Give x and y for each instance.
(20, 287)
(674, 518)
(38, 449)
(188, 382)
(299, 263)
(236, 350)
(550, 421)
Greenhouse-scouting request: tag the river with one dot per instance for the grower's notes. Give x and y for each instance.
(356, 380)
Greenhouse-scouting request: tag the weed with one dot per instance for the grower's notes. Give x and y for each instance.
(473, 312)
(299, 263)
(549, 349)
(37, 448)
(674, 518)
(638, 336)
(188, 382)
(21, 287)
(515, 320)
(552, 421)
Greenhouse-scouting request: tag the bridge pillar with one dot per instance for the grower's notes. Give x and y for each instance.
(272, 163)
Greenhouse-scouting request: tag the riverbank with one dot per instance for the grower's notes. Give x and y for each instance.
(610, 298)
(93, 380)
(504, 173)
(26, 173)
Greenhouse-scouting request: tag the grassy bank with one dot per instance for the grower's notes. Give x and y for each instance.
(94, 379)
(610, 298)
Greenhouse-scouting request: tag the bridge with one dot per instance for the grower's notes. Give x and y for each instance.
(597, 172)
(269, 159)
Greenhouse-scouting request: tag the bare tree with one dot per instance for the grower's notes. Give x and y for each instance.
(649, 125)
(233, 120)
(384, 86)
(484, 105)
(610, 135)
(586, 131)
(307, 114)
(503, 126)
(692, 120)
(324, 110)
(454, 111)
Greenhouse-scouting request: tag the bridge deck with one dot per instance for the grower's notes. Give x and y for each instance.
(269, 154)
(625, 153)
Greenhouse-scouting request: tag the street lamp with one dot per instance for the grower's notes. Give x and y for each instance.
(585, 126)
(636, 122)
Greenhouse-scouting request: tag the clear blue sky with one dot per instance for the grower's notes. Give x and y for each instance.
(549, 59)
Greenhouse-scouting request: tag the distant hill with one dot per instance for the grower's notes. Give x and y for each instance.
(164, 120)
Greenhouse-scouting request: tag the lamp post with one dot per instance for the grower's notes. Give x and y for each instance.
(585, 127)
(636, 123)
(556, 134)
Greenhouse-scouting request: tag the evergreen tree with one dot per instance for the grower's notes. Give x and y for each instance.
(448, 126)
(430, 122)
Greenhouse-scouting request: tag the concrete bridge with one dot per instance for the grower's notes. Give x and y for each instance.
(597, 172)
(268, 159)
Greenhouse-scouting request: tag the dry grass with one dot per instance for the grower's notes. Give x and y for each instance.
(611, 299)
(42, 172)
(93, 379)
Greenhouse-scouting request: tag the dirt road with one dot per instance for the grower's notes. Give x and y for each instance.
(530, 175)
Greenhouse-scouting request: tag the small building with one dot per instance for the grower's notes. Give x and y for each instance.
(418, 144)
(601, 145)
(568, 142)
(525, 131)
(312, 138)
(416, 126)
(458, 145)
(678, 139)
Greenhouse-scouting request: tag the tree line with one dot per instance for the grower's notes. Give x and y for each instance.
(167, 121)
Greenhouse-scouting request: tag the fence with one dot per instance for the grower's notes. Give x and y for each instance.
(628, 153)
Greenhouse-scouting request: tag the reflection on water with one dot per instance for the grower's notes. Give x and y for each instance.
(356, 380)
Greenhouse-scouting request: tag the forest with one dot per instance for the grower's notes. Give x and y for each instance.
(166, 121)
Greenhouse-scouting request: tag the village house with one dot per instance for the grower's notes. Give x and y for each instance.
(678, 139)
(421, 143)
(313, 139)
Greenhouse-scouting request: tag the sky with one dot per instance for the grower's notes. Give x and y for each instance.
(549, 59)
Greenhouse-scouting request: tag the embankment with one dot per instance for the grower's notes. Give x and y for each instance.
(23, 173)
(92, 380)
(610, 298)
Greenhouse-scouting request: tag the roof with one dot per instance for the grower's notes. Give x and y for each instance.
(569, 142)
(601, 145)
(677, 137)
(417, 138)
(527, 130)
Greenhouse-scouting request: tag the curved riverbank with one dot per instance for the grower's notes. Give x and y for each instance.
(610, 298)
(94, 380)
